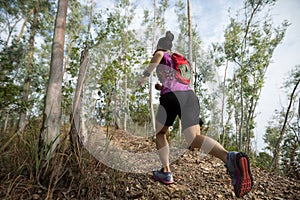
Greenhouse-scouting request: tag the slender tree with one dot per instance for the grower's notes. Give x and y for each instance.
(76, 118)
(151, 76)
(52, 112)
(190, 40)
(276, 153)
(154, 26)
(33, 31)
(250, 43)
(182, 43)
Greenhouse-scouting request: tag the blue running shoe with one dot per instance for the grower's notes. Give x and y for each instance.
(238, 167)
(164, 177)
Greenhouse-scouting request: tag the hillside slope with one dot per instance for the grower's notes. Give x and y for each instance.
(196, 175)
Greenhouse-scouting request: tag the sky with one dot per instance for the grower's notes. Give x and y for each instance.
(286, 57)
(212, 17)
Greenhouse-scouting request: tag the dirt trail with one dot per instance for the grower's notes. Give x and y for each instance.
(196, 175)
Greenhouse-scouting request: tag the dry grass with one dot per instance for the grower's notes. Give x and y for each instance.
(72, 173)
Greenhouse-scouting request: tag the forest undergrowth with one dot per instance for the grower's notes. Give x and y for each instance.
(73, 173)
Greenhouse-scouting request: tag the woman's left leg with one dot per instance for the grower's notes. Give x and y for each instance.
(205, 143)
(163, 175)
(162, 146)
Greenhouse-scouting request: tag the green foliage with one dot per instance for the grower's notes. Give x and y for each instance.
(249, 46)
(233, 36)
(14, 55)
(289, 145)
(263, 160)
(182, 39)
(117, 54)
(271, 136)
(294, 76)
(11, 88)
(290, 155)
(139, 112)
(148, 21)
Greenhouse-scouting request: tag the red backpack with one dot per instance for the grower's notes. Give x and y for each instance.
(182, 66)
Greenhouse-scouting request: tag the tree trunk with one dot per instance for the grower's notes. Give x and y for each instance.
(24, 25)
(151, 76)
(23, 114)
(125, 97)
(10, 31)
(190, 42)
(274, 163)
(5, 122)
(248, 128)
(254, 102)
(299, 109)
(223, 105)
(76, 122)
(52, 111)
(241, 125)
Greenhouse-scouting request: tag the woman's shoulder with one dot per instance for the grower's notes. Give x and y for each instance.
(159, 52)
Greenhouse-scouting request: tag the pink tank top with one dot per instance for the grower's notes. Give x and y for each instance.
(170, 83)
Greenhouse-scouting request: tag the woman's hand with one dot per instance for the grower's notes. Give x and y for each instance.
(158, 86)
(142, 80)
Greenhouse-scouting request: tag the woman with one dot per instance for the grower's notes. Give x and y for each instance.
(178, 99)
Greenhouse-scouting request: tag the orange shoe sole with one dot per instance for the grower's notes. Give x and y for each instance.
(245, 182)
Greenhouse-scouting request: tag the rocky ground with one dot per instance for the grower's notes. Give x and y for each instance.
(196, 175)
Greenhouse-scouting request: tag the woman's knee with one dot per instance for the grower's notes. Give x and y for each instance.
(193, 136)
(163, 130)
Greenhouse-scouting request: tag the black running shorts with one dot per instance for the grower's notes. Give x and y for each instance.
(185, 104)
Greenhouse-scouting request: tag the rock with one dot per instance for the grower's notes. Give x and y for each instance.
(35, 196)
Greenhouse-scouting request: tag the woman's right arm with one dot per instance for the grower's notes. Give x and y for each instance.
(155, 60)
